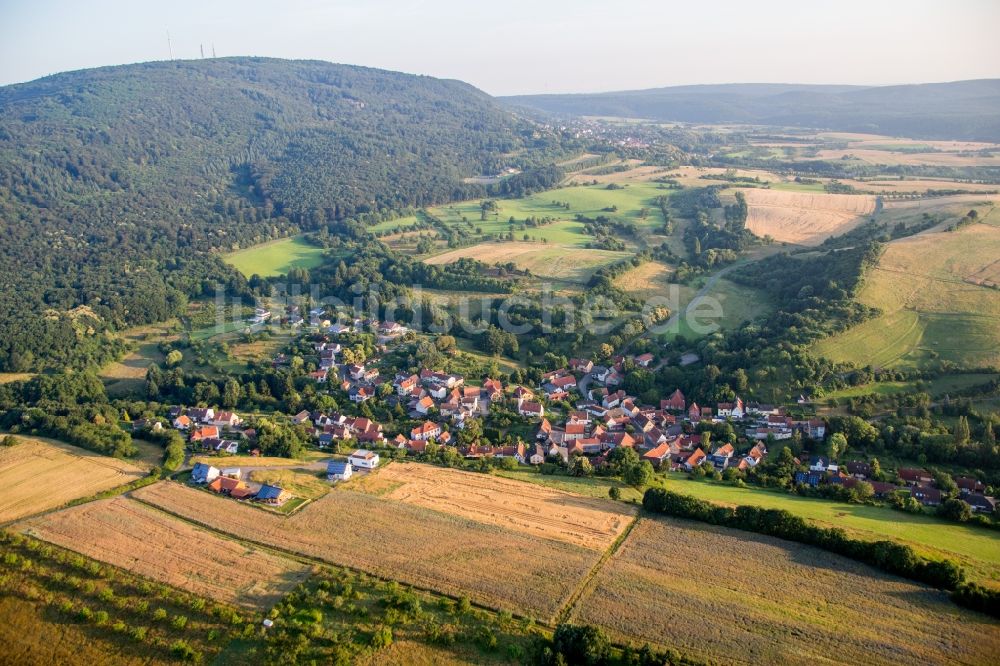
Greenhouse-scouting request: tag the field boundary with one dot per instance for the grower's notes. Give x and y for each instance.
(582, 587)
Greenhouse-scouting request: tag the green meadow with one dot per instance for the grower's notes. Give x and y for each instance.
(587, 200)
(976, 548)
(276, 257)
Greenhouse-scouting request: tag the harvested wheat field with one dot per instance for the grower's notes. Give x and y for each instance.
(135, 537)
(40, 475)
(496, 567)
(805, 218)
(762, 600)
(533, 509)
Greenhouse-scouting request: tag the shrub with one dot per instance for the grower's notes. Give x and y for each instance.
(382, 638)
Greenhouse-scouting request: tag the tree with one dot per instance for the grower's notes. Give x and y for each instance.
(231, 393)
(584, 646)
(614, 493)
(955, 509)
(876, 469)
(639, 475)
(174, 358)
(836, 445)
(581, 466)
(962, 433)
(622, 457)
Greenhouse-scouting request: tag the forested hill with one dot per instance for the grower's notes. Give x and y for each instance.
(117, 183)
(967, 110)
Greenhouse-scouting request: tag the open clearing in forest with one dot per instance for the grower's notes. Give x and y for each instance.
(276, 257)
(37, 476)
(768, 601)
(932, 307)
(572, 264)
(135, 537)
(497, 567)
(804, 218)
(535, 510)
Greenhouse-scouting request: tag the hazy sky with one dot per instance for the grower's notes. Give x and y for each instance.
(526, 46)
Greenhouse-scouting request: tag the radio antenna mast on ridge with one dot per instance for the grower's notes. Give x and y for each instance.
(213, 50)
(170, 49)
(202, 47)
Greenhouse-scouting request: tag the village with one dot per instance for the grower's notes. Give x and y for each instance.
(576, 412)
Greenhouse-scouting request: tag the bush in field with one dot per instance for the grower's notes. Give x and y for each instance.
(382, 638)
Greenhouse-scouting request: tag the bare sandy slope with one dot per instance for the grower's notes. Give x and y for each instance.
(805, 218)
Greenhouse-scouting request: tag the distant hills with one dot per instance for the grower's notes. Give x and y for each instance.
(968, 110)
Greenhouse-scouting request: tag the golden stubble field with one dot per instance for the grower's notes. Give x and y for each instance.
(140, 539)
(494, 566)
(804, 218)
(40, 475)
(734, 597)
(532, 509)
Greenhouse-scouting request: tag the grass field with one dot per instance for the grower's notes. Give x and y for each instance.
(804, 218)
(535, 510)
(497, 567)
(133, 536)
(976, 548)
(766, 601)
(40, 475)
(930, 311)
(940, 386)
(308, 484)
(276, 257)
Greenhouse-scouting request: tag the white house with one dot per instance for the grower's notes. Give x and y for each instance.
(364, 459)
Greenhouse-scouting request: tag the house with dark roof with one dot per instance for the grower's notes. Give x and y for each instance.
(981, 503)
(273, 494)
(926, 495)
(859, 469)
(339, 470)
(203, 473)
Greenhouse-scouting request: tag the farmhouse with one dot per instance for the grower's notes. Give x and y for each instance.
(337, 470)
(364, 459)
